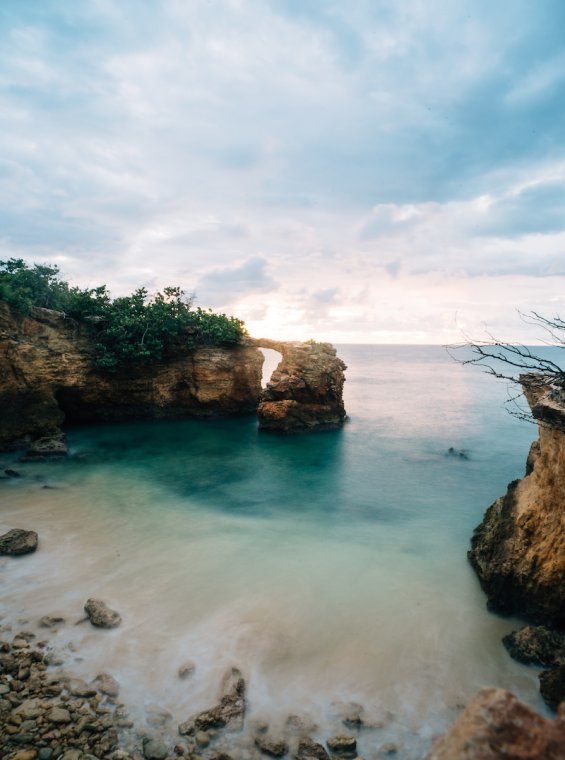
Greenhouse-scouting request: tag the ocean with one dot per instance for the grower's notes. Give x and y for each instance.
(329, 567)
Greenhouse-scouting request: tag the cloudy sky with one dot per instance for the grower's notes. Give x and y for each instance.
(362, 171)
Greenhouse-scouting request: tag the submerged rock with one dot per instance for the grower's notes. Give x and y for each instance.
(343, 745)
(52, 446)
(552, 686)
(100, 615)
(154, 749)
(229, 712)
(18, 541)
(186, 669)
(495, 725)
(536, 645)
(51, 621)
(310, 750)
(107, 685)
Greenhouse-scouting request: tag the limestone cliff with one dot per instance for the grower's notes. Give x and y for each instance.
(518, 551)
(305, 391)
(47, 377)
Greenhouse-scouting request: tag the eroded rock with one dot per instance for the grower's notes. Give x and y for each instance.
(270, 745)
(536, 645)
(310, 750)
(343, 745)
(18, 541)
(495, 725)
(552, 686)
(100, 615)
(107, 685)
(229, 712)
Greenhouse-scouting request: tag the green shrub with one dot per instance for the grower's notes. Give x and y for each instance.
(127, 330)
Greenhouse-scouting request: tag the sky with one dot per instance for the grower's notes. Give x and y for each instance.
(370, 171)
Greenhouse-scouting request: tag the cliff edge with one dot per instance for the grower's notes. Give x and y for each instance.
(518, 551)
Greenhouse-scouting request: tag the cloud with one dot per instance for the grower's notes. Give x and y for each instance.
(220, 286)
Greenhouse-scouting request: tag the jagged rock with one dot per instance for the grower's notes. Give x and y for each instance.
(518, 551)
(101, 615)
(305, 391)
(106, 684)
(342, 745)
(18, 541)
(229, 712)
(276, 747)
(52, 446)
(552, 686)
(496, 725)
(310, 750)
(536, 645)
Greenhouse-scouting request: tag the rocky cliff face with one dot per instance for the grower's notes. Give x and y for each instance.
(305, 391)
(47, 377)
(518, 551)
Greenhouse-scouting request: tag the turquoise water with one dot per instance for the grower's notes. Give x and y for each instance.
(329, 567)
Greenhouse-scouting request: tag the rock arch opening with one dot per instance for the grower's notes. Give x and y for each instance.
(272, 360)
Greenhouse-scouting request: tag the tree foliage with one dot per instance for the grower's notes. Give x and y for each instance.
(127, 330)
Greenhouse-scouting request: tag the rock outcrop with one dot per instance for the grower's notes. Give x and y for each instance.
(47, 377)
(518, 551)
(305, 391)
(495, 725)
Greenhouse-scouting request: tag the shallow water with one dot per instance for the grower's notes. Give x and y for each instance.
(329, 567)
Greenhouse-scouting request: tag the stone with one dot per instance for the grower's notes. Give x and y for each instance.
(305, 391)
(202, 738)
(154, 749)
(186, 669)
(300, 725)
(552, 686)
(45, 753)
(157, 716)
(518, 551)
(229, 712)
(107, 685)
(72, 754)
(536, 645)
(388, 749)
(495, 725)
(51, 621)
(343, 745)
(274, 746)
(100, 615)
(310, 750)
(50, 446)
(59, 715)
(29, 708)
(18, 541)
(25, 754)
(79, 688)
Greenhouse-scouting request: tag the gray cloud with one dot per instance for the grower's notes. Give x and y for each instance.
(230, 283)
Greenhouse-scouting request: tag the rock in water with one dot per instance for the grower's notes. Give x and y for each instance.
(18, 541)
(275, 747)
(495, 725)
(305, 391)
(518, 551)
(310, 750)
(107, 685)
(52, 446)
(343, 745)
(229, 712)
(552, 687)
(536, 645)
(101, 615)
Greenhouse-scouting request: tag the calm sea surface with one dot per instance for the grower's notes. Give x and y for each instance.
(329, 567)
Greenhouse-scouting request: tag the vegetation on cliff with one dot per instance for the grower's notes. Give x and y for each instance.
(134, 328)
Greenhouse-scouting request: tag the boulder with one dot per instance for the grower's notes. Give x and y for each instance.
(552, 686)
(100, 615)
(536, 645)
(496, 725)
(18, 541)
(154, 749)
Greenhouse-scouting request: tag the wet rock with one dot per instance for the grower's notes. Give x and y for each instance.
(536, 645)
(343, 745)
(310, 750)
(229, 712)
(157, 716)
(52, 446)
(12, 473)
(186, 669)
(552, 686)
(25, 754)
(45, 753)
(18, 541)
(51, 621)
(202, 738)
(276, 747)
(107, 685)
(59, 715)
(100, 615)
(79, 688)
(154, 749)
(72, 754)
(495, 725)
